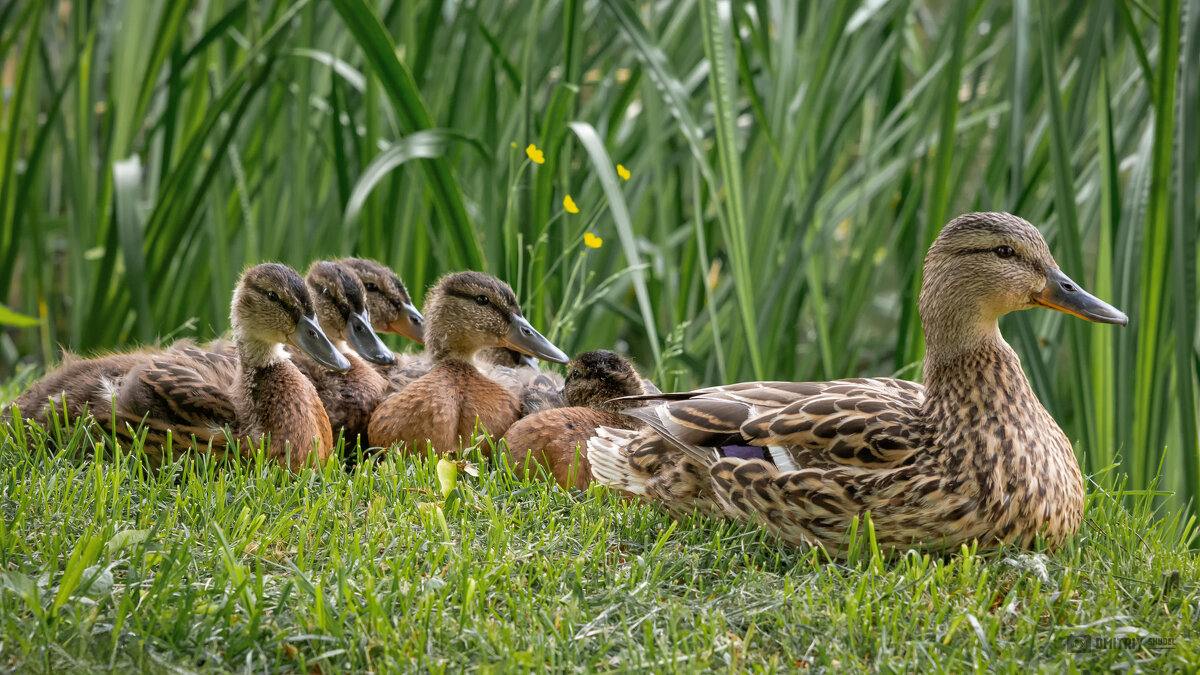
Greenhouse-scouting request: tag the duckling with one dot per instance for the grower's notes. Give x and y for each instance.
(971, 455)
(466, 312)
(392, 311)
(520, 374)
(349, 397)
(556, 438)
(257, 393)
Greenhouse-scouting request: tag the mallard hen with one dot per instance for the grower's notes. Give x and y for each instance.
(465, 313)
(971, 455)
(254, 391)
(556, 438)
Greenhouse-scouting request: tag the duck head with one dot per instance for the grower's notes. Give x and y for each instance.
(985, 265)
(390, 306)
(470, 311)
(272, 307)
(595, 378)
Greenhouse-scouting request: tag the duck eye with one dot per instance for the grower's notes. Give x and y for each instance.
(1005, 251)
(575, 373)
(272, 295)
(325, 290)
(371, 286)
(481, 300)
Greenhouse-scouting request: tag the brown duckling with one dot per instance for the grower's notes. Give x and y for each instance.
(392, 311)
(466, 312)
(556, 438)
(350, 396)
(258, 393)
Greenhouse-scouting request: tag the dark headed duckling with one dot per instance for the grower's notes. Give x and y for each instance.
(465, 313)
(557, 438)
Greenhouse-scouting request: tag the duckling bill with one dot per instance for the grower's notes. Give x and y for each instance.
(465, 313)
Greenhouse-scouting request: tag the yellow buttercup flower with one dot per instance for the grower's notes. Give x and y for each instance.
(569, 205)
(623, 172)
(592, 241)
(535, 155)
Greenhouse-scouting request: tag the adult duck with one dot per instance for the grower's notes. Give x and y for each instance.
(971, 455)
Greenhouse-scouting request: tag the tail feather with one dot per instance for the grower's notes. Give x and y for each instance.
(607, 453)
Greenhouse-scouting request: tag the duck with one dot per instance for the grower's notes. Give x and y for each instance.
(255, 391)
(466, 312)
(970, 455)
(349, 397)
(596, 390)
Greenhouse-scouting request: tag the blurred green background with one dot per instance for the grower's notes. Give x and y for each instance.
(788, 164)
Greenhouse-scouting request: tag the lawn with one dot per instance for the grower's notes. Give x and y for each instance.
(108, 566)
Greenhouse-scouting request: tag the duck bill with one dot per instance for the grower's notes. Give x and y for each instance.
(1065, 295)
(309, 338)
(523, 338)
(410, 324)
(362, 337)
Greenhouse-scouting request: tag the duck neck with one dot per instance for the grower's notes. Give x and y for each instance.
(968, 363)
(444, 348)
(256, 354)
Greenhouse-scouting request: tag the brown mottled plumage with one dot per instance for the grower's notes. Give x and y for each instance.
(971, 455)
(466, 312)
(253, 390)
(556, 438)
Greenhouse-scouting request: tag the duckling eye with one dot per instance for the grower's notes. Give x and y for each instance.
(575, 373)
(481, 300)
(1005, 251)
(272, 295)
(371, 286)
(325, 290)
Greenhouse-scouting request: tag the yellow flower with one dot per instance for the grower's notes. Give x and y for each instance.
(592, 241)
(622, 172)
(535, 154)
(569, 205)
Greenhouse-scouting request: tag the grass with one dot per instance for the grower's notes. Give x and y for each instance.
(105, 566)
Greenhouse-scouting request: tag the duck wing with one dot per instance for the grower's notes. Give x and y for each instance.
(863, 422)
(860, 424)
